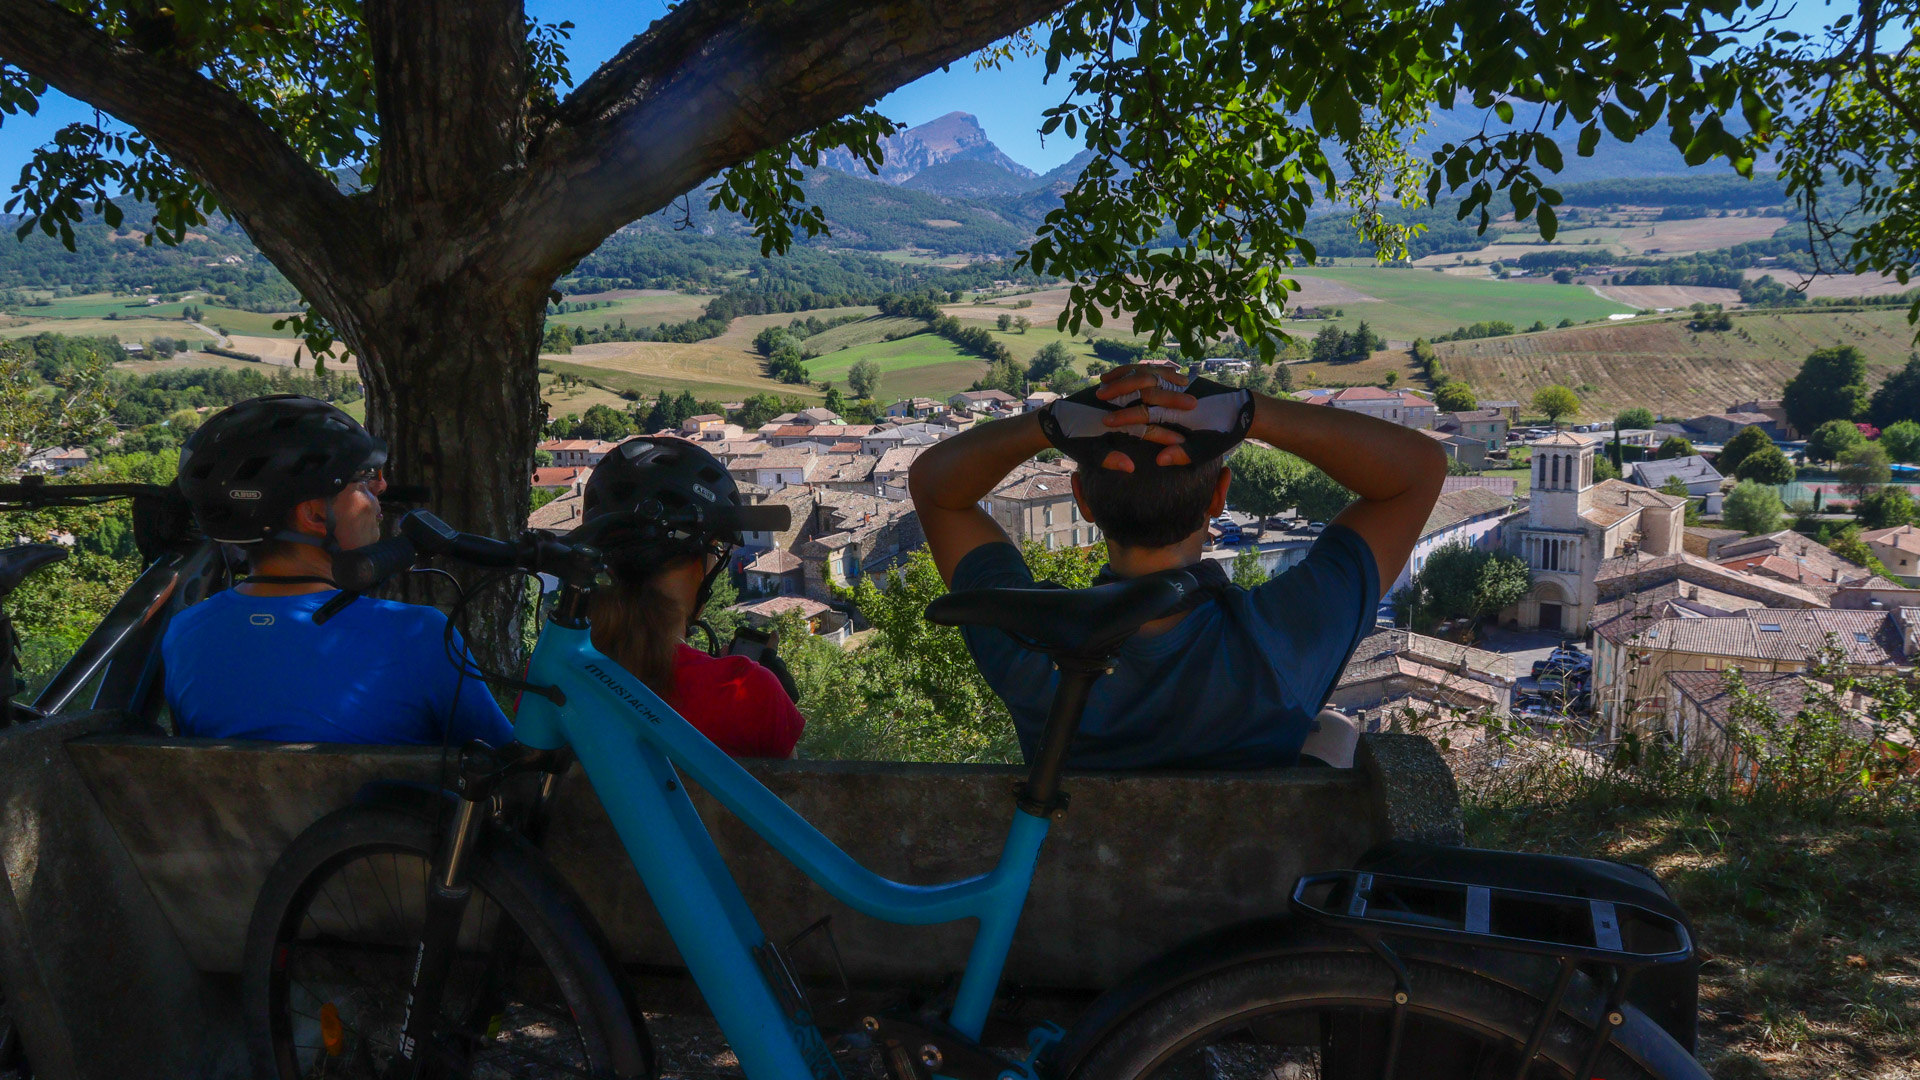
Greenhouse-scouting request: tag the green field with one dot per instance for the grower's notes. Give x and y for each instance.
(656, 306)
(865, 332)
(919, 366)
(647, 386)
(1410, 303)
(133, 319)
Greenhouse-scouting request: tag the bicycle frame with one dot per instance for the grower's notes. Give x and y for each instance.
(630, 742)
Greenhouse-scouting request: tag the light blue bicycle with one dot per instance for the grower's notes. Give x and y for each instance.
(423, 934)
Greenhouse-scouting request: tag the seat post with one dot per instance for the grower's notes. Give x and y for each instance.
(1041, 795)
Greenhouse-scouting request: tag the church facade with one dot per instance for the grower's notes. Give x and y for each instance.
(1574, 524)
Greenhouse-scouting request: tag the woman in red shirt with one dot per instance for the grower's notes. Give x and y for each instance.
(661, 580)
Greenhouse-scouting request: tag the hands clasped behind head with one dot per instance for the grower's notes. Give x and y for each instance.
(1140, 416)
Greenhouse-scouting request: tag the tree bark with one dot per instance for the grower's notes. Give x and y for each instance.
(437, 279)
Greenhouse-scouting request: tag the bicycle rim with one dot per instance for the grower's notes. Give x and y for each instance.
(1344, 1042)
(343, 961)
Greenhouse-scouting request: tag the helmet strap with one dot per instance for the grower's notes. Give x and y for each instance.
(706, 583)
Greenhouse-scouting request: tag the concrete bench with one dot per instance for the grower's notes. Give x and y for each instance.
(139, 858)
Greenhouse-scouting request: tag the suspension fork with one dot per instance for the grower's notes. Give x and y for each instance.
(482, 770)
(448, 892)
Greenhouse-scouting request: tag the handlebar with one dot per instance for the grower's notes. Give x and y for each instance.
(34, 493)
(576, 559)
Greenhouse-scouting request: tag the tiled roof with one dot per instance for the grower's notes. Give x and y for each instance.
(1787, 634)
(1707, 690)
(774, 562)
(561, 514)
(1036, 482)
(1454, 507)
(558, 475)
(985, 395)
(1505, 485)
(1900, 537)
(1625, 572)
(785, 457)
(1563, 438)
(1672, 599)
(1615, 500)
(897, 459)
(1363, 393)
(780, 605)
(1692, 469)
(1476, 415)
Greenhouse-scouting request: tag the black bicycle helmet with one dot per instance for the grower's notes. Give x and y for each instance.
(247, 468)
(635, 490)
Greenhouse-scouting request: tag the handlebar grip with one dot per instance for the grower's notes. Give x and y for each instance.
(432, 536)
(363, 568)
(766, 517)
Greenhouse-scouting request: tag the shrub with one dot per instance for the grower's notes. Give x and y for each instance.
(1833, 438)
(1766, 466)
(1636, 417)
(1753, 508)
(1902, 441)
(1749, 440)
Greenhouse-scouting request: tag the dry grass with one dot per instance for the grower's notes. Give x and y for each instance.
(1655, 297)
(1808, 932)
(1662, 365)
(726, 365)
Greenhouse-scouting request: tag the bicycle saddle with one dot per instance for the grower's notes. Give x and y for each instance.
(17, 562)
(1088, 623)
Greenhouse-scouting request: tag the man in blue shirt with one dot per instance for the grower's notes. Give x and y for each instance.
(1235, 681)
(295, 480)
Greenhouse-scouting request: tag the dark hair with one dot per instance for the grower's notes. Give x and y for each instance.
(1155, 506)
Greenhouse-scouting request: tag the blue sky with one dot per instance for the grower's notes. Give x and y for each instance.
(1008, 102)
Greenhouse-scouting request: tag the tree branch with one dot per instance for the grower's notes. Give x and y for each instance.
(287, 206)
(717, 81)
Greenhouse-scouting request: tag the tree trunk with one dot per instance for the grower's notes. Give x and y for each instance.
(451, 371)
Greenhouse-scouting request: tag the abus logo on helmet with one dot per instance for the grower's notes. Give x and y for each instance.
(705, 494)
(242, 493)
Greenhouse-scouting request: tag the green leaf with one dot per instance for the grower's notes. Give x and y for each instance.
(1549, 221)
(1617, 121)
(1504, 109)
(1548, 152)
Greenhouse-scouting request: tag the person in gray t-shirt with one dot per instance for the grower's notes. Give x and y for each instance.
(1235, 681)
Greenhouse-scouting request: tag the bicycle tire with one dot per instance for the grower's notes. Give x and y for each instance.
(1327, 1015)
(334, 925)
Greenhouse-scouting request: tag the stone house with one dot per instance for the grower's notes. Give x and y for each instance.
(1401, 407)
(1392, 665)
(1720, 427)
(997, 402)
(1701, 479)
(890, 471)
(1634, 653)
(1490, 426)
(915, 408)
(773, 573)
(1036, 503)
(1898, 549)
(577, 452)
(1464, 449)
(1701, 710)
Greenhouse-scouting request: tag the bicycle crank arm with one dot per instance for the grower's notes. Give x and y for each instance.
(918, 1049)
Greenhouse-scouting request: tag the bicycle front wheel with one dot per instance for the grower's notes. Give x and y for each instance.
(1329, 1016)
(333, 941)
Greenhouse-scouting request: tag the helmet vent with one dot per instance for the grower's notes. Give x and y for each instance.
(250, 468)
(305, 462)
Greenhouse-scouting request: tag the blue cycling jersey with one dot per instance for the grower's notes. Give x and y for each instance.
(1233, 685)
(256, 667)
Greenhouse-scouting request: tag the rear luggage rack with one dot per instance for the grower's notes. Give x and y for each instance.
(1622, 938)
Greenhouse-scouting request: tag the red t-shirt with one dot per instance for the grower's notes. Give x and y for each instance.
(735, 702)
